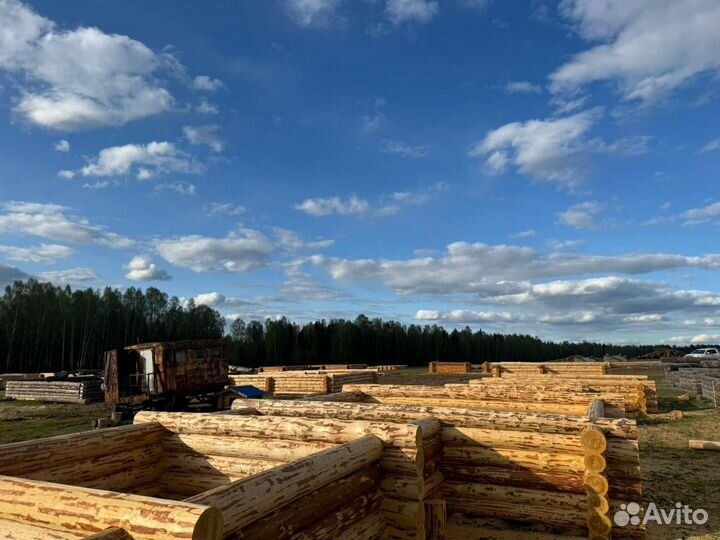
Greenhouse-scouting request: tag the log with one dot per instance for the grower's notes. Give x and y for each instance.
(510, 406)
(245, 501)
(339, 396)
(435, 518)
(242, 447)
(335, 523)
(449, 416)
(509, 457)
(91, 510)
(20, 530)
(704, 445)
(298, 429)
(292, 518)
(465, 528)
(404, 515)
(113, 533)
(21, 458)
(202, 465)
(370, 528)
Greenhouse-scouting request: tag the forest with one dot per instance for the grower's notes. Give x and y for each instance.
(48, 328)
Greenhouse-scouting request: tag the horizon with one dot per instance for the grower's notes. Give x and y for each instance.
(537, 168)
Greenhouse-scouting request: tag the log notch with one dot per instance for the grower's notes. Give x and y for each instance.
(58, 507)
(244, 501)
(704, 445)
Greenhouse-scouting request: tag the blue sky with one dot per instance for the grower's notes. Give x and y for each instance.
(515, 166)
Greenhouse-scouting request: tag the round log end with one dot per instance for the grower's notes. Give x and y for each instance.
(593, 440)
(596, 483)
(210, 525)
(599, 524)
(594, 463)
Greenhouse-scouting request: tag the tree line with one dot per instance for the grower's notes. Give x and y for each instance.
(48, 328)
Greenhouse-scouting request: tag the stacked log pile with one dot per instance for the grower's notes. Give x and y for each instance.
(494, 397)
(85, 391)
(611, 383)
(534, 469)
(698, 382)
(300, 384)
(452, 368)
(5, 377)
(552, 368)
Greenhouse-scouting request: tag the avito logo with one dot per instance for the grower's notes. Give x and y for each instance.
(681, 514)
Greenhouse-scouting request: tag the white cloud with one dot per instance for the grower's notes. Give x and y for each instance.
(206, 107)
(522, 87)
(698, 339)
(62, 146)
(403, 149)
(334, 205)
(75, 277)
(548, 150)
(54, 222)
(314, 13)
(463, 316)
(479, 5)
(581, 216)
(411, 11)
(648, 47)
(240, 251)
(207, 84)
(80, 78)
(498, 270)
(705, 214)
(141, 268)
(530, 233)
(207, 135)
(42, 254)
(291, 241)
(228, 209)
(66, 174)
(711, 146)
(372, 122)
(209, 299)
(182, 188)
(145, 161)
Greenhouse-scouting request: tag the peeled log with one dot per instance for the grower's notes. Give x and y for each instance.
(245, 501)
(513, 406)
(402, 514)
(296, 429)
(292, 518)
(704, 445)
(449, 416)
(91, 510)
(110, 534)
(370, 528)
(334, 523)
(527, 459)
(17, 459)
(242, 447)
(339, 396)
(463, 528)
(202, 465)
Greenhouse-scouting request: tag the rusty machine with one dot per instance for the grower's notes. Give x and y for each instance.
(166, 375)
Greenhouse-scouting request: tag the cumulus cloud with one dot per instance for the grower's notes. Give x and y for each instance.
(56, 222)
(205, 107)
(207, 84)
(207, 135)
(403, 149)
(315, 13)
(75, 277)
(239, 251)
(522, 87)
(704, 339)
(711, 146)
(581, 216)
(334, 205)
(548, 150)
(141, 268)
(42, 254)
(209, 299)
(62, 146)
(145, 161)
(80, 78)
(411, 11)
(496, 270)
(463, 316)
(647, 47)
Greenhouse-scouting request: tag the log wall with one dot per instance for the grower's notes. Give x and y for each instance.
(301, 384)
(452, 368)
(83, 392)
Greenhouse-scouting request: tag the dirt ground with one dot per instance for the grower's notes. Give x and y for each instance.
(672, 473)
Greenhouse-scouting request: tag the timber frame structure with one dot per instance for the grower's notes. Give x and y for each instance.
(372, 462)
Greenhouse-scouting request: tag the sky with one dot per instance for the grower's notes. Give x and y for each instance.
(513, 166)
